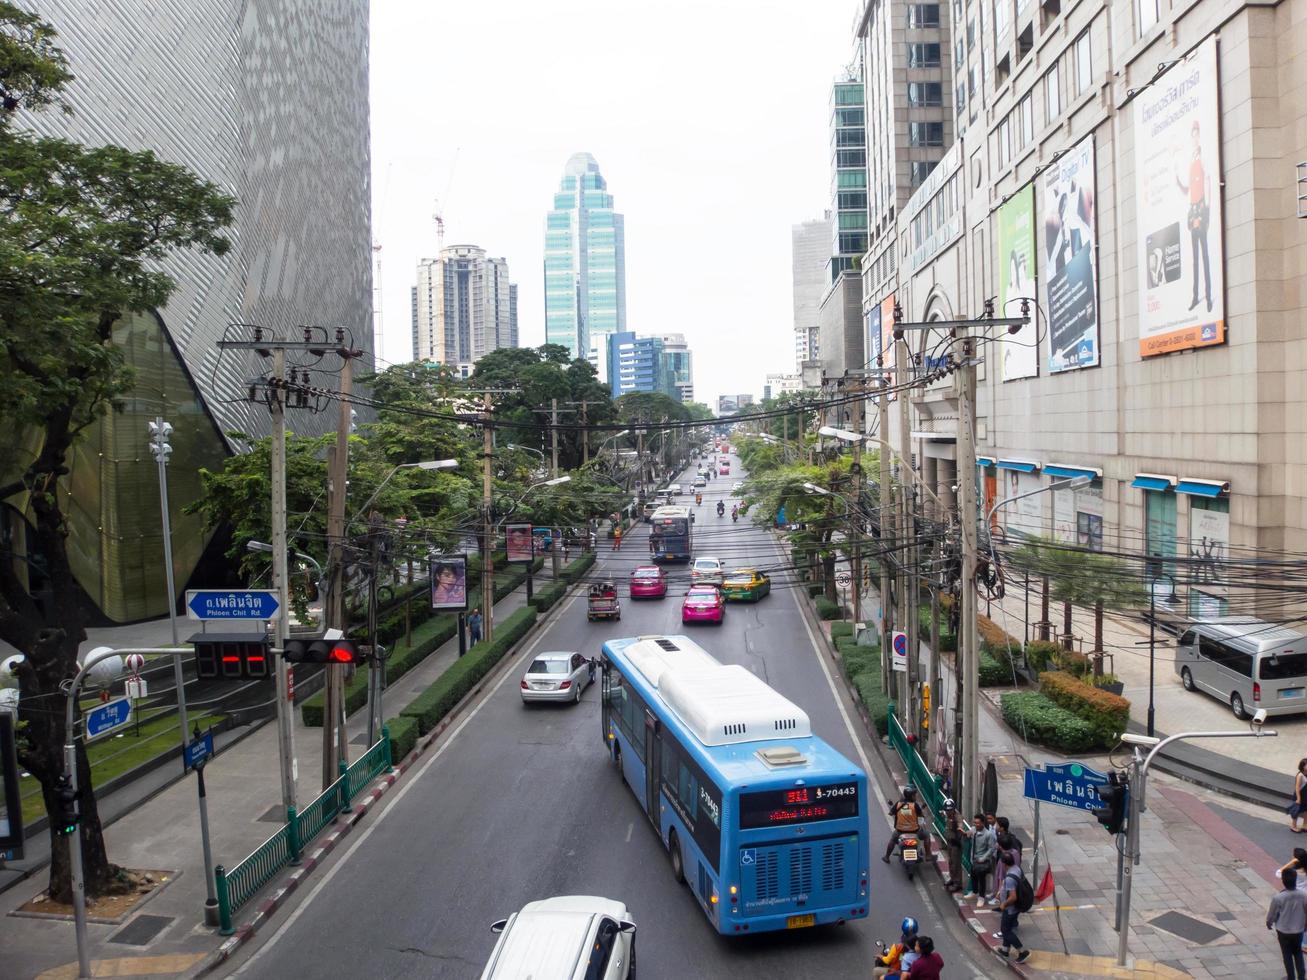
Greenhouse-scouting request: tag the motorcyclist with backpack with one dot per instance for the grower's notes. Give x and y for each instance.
(1016, 895)
(721, 508)
(907, 814)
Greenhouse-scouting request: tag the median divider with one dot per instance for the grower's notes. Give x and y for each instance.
(574, 569)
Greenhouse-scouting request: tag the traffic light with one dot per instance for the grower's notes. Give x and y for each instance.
(1115, 795)
(316, 650)
(65, 817)
(232, 655)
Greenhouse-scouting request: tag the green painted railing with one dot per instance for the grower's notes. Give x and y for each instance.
(928, 784)
(241, 883)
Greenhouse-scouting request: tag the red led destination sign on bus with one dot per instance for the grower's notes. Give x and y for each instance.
(798, 805)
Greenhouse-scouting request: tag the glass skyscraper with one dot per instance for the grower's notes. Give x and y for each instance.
(585, 261)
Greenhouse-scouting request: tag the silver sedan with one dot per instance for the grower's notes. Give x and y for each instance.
(559, 675)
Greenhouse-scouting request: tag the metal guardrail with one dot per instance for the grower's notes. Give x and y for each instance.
(928, 784)
(237, 886)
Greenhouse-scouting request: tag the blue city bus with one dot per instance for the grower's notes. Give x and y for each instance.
(765, 821)
(670, 530)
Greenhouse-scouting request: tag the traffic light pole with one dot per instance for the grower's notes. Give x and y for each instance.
(70, 776)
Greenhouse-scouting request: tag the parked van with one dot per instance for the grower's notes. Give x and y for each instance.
(572, 937)
(1247, 663)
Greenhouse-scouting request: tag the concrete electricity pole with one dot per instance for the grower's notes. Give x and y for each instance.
(557, 545)
(335, 743)
(907, 553)
(488, 525)
(280, 573)
(886, 510)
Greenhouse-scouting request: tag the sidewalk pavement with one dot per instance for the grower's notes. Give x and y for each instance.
(166, 935)
(1200, 891)
(1176, 710)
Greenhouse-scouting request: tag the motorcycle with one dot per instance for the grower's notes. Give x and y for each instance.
(721, 509)
(735, 515)
(909, 848)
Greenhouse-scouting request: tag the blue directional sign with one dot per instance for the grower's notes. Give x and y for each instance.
(227, 604)
(197, 750)
(1071, 784)
(108, 716)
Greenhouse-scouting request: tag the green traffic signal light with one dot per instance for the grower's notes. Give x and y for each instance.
(65, 818)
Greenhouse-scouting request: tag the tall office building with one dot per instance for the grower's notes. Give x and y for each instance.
(678, 360)
(840, 334)
(269, 100)
(464, 307)
(640, 363)
(585, 262)
(809, 253)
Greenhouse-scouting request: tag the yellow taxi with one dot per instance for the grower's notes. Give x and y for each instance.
(746, 584)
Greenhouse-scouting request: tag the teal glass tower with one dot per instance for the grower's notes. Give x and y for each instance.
(585, 261)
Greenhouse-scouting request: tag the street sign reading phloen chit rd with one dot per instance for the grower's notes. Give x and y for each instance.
(1070, 784)
(203, 604)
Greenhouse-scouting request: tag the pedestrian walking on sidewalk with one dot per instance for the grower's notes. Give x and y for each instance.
(1298, 808)
(984, 845)
(1009, 905)
(1288, 917)
(474, 625)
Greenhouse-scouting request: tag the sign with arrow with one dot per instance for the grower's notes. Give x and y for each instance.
(104, 718)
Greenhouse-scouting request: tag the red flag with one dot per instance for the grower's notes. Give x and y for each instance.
(1045, 888)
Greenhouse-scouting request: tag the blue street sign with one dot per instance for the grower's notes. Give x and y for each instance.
(198, 750)
(108, 716)
(1071, 784)
(225, 604)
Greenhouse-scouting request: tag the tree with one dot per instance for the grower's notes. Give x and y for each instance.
(82, 230)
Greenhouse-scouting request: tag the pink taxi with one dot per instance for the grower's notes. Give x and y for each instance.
(648, 582)
(703, 604)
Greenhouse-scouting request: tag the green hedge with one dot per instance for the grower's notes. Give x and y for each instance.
(995, 671)
(403, 733)
(426, 639)
(450, 687)
(547, 597)
(576, 568)
(1042, 654)
(816, 589)
(840, 628)
(1105, 712)
(827, 609)
(1041, 720)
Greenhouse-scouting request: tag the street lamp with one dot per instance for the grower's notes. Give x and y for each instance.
(1152, 632)
(434, 464)
(323, 585)
(1073, 483)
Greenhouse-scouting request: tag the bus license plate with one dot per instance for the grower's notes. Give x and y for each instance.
(800, 921)
(910, 854)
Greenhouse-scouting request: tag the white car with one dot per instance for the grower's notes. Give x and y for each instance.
(700, 483)
(571, 937)
(707, 571)
(559, 675)
(676, 489)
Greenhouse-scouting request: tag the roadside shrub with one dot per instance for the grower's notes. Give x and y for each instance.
(993, 634)
(1105, 712)
(867, 684)
(827, 609)
(1000, 652)
(403, 733)
(574, 569)
(1041, 720)
(546, 598)
(1073, 663)
(1041, 654)
(840, 628)
(463, 675)
(995, 672)
(816, 589)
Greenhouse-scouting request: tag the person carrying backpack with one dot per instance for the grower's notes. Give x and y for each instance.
(907, 814)
(1016, 895)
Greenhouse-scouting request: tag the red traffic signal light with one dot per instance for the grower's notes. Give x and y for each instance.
(1115, 796)
(316, 650)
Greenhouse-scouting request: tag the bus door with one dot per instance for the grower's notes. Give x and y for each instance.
(653, 766)
(605, 703)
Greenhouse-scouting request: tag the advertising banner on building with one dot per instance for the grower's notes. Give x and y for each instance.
(1026, 516)
(887, 337)
(872, 342)
(1070, 259)
(1016, 279)
(1209, 545)
(1178, 200)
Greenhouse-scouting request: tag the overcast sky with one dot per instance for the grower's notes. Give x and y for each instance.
(708, 119)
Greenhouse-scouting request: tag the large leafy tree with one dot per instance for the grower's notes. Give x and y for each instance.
(82, 230)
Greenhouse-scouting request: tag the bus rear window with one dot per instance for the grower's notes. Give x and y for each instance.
(1278, 667)
(802, 804)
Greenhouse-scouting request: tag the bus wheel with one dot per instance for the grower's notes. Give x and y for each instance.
(678, 861)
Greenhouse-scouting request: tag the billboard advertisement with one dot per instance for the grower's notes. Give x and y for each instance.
(887, 338)
(1070, 259)
(449, 583)
(1016, 279)
(1178, 199)
(519, 543)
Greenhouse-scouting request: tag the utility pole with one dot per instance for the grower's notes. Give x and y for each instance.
(335, 743)
(907, 555)
(488, 526)
(639, 457)
(557, 545)
(855, 513)
(584, 404)
(968, 660)
(280, 572)
(886, 509)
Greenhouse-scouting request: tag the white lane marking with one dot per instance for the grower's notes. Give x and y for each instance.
(629, 828)
(414, 777)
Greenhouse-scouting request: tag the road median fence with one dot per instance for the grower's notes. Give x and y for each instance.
(236, 887)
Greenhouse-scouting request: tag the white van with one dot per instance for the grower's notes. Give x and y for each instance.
(571, 937)
(1247, 663)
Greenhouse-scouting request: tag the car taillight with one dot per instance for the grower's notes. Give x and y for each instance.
(565, 685)
(1257, 691)
(526, 686)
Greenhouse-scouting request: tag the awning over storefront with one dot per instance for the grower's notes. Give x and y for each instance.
(1153, 481)
(1020, 465)
(1203, 488)
(1071, 472)
(984, 460)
